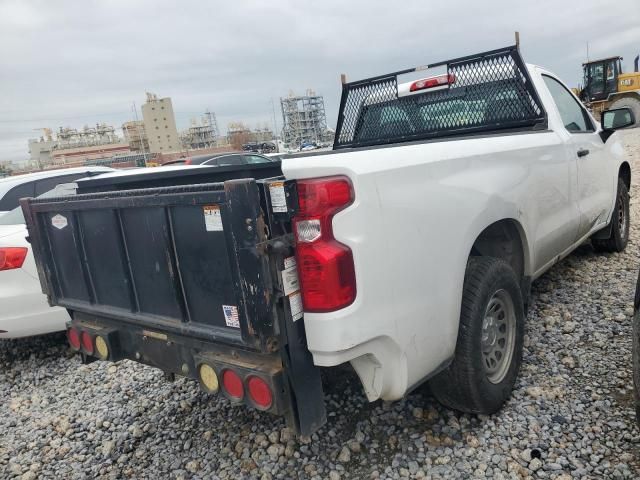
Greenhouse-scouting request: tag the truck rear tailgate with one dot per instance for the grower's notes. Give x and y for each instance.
(184, 259)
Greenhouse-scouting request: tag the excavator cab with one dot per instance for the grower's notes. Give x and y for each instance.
(600, 79)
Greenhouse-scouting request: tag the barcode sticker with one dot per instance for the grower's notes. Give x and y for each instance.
(278, 197)
(295, 305)
(212, 218)
(290, 281)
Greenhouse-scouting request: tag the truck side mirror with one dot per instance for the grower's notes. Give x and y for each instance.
(616, 119)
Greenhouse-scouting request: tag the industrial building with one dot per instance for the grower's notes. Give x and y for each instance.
(160, 125)
(71, 145)
(239, 134)
(304, 120)
(40, 148)
(136, 136)
(203, 133)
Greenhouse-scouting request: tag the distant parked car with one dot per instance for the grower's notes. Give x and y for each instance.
(223, 159)
(259, 147)
(306, 146)
(16, 187)
(24, 310)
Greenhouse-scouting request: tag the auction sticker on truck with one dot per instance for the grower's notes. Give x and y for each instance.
(212, 218)
(231, 316)
(278, 197)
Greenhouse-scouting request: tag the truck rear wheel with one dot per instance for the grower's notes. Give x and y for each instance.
(619, 227)
(490, 339)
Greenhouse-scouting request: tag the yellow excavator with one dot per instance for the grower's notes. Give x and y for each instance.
(606, 86)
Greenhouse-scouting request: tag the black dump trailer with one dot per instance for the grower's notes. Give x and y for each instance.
(189, 270)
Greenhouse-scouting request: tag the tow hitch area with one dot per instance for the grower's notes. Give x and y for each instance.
(254, 379)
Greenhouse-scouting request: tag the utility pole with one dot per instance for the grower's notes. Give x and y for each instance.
(275, 125)
(587, 51)
(144, 150)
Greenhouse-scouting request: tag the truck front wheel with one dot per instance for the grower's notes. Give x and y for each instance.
(490, 338)
(619, 228)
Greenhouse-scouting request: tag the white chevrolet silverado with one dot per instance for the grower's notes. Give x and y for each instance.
(408, 251)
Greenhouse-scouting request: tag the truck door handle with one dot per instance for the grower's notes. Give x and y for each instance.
(583, 152)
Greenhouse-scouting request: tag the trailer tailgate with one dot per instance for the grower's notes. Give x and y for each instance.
(186, 259)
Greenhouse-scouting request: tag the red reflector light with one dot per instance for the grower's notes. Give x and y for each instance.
(259, 392)
(232, 384)
(327, 273)
(87, 342)
(74, 338)
(12, 257)
(425, 83)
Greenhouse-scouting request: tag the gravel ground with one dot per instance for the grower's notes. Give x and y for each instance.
(571, 414)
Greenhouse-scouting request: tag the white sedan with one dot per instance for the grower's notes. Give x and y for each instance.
(24, 310)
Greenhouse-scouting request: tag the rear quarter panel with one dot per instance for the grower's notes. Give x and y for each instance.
(417, 212)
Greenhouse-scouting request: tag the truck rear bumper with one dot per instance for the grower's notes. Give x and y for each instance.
(192, 359)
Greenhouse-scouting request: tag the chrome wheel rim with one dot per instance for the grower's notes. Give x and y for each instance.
(498, 336)
(622, 216)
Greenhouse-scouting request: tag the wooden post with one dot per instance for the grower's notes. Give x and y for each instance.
(343, 78)
(518, 40)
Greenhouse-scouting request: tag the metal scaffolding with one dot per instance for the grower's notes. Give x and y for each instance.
(204, 134)
(304, 119)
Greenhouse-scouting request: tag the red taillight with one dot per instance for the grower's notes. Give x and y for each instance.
(323, 195)
(74, 338)
(87, 342)
(12, 257)
(425, 83)
(232, 384)
(260, 392)
(327, 274)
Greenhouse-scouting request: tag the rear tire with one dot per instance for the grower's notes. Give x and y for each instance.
(619, 237)
(490, 340)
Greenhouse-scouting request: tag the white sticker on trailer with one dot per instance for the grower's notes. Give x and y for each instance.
(290, 262)
(290, 281)
(212, 218)
(295, 305)
(59, 221)
(278, 197)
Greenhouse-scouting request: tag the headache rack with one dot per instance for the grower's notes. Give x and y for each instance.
(483, 92)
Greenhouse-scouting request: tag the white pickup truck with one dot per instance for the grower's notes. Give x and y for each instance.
(408, 251)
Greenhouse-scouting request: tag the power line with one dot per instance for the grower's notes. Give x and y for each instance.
(57, 119)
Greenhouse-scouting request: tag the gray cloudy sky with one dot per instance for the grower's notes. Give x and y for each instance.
(76, 62)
